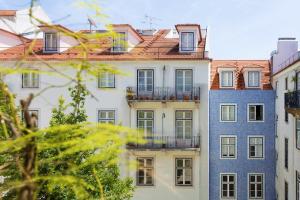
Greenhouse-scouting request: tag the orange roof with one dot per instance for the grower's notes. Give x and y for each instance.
(153, 47)
(131, 28)
(56, 26)
(240, 66)
(6, 13)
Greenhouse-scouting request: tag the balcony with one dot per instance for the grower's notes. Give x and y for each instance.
(162, 94)
(292, 102)
(166, 142)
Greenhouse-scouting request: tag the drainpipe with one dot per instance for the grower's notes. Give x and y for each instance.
(164, 72)
(162, 126)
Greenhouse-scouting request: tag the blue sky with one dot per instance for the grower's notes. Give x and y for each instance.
(239, 29)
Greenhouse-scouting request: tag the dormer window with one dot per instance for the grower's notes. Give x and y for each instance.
(51, 42)
(226, 79)
(119, 42)
(187, 41)
(253, 79)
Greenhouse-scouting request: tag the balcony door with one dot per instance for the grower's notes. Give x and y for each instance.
(184, 83)
(145, 82)
(145, 122)
(183, 127)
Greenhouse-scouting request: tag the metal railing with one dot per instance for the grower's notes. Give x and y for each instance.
(103, 52)
(292, 99)
(163, 94)
(167, 142)
(295, 57)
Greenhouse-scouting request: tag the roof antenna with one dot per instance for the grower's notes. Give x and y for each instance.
(150, 21)
(92, 23)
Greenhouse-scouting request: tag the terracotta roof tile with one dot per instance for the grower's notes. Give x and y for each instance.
(240, 66)
(6, 13)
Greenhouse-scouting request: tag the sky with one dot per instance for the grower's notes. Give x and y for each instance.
(238, 29)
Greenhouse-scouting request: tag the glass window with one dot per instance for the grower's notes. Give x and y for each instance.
(106, 80)
(256, 147)
(187, 41)
(298, 134)
(30, 80)
(145, 81)
(253, 79)
(145, 171)
(228, 186)
(227, 79)
(119, 42)
(256, 186)
(184, 83)
(228, 147)
(286, 190)
(255, 113)
(297, 185)
(145, 122)
(51, 41)
(286, 83)
(228, 113)
(183, 171)
(184, 124)
(106, 116)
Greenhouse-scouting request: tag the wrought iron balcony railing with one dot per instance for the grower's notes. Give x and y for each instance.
(167, 142)
(292, 99)
(163, 94)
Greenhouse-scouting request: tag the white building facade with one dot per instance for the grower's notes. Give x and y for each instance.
(164, 93)
(286, 81)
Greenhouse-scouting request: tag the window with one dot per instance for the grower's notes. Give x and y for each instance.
(286, 153)
(183, 171)
(184, 83)
(226, 78)
(228, 186)
(30, 80)
(145, 171)
(228, 147)
(187, 41)
(256, 147)
(51, 42)
(255, 113)
(106, 116)
(286, 116)
(31, 113)
(286, 83)
(297, 185)
(276, 88)
(119, 42)
(256, 186)
(145, 122)
(184, 124)
(298, 134)
(145, 81)
(253, 79)
(286, 190)
(106, 80)
(228, 113)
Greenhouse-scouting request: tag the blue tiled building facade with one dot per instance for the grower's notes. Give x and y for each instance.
(242, 137)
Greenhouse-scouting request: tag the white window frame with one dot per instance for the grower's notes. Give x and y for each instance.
(248, 112)
(107, 120)
(53, 49)
(235, 147)
(263, 185)
(31, 85)
(106, 78)
(145, 119)
(188, 49)
(235, 114)
(184, 120)
(220, 78)
(263, 146)
(153, 171)
(235, 186)
(184, 168)
(259, 79)
(117, 45)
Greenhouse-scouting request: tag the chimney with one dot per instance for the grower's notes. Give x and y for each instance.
(286, 48)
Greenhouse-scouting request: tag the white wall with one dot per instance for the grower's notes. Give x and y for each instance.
(116, 99)
(286, 130)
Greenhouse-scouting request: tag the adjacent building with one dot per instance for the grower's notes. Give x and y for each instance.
(241, 124)
(286, 81)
